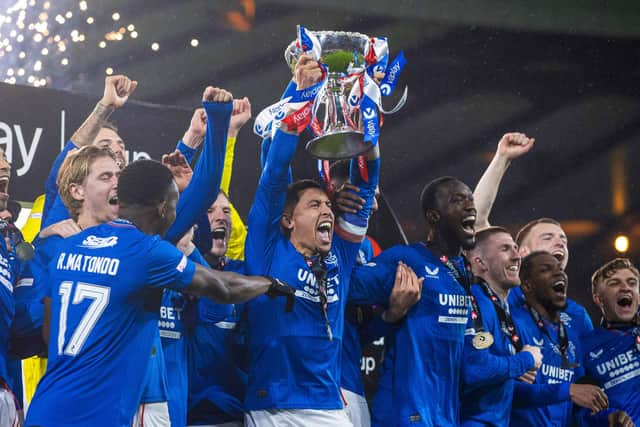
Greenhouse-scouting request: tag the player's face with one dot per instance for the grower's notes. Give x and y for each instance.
(5, 174)
(312, 223)
(99, 191)
(220, 221)
(548, 238)
(169, 210)
(108, 138)
(500, 256)
(618, 297)
(548, 282)
(457, 213)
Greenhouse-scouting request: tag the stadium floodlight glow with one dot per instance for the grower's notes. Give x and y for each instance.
(621, 243)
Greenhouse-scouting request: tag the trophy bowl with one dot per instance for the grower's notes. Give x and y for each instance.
(339, 134)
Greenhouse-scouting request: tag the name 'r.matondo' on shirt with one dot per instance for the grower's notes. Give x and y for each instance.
(88, 264)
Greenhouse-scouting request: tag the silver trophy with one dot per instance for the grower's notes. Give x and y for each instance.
(338, 129)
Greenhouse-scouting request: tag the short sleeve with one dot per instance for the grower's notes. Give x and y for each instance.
(168, 267)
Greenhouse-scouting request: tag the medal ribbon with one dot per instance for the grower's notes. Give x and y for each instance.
(507, 325)
(563, 339)
(319, 270)
(465, 282)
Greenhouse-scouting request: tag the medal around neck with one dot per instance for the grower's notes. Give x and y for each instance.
(482, 340)
(348, 98)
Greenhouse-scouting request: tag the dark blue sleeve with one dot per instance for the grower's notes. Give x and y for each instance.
(167, 266)
(204, 187)
(188, 152)
(57, 213)
(197, 257)
(527, 395)
(268, 202)
(202, 236)
(51, 186)
(584, 418)
(371, 283)
(264, 151)
(482, 368)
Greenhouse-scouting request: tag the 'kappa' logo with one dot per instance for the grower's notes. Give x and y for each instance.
(596, 354)
(95, 242)
(369, 113)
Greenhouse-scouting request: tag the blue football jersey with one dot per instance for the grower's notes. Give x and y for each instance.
(547, 401)
(611, 358)
(489, 374)
(217, 372)
(574, 316)
(420, 376)
(7, 309)
(101, 333)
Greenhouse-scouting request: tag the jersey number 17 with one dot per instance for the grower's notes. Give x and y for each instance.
(99, 295)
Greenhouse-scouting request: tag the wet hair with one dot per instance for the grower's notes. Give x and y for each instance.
(526, 266)
(526, 230)
(428, 195)
(609, 269)
(74, 170)
(144, 183)
(294, 192)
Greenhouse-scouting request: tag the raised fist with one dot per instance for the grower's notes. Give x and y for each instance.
(117, 90)
(307, 72)
(215, 94)
(240, 115)
(194, 136)
(513, 145)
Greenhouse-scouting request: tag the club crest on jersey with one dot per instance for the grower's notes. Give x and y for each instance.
(331, 260)
(95, 242)
(565, 318)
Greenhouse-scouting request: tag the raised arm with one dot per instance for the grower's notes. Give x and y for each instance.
(194, 135)
(205, 184)
(225, 287)
(116, 93)
(511, 146)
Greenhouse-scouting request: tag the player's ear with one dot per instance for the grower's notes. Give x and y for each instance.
(285, 221)
(162, 209)
(76, 191)
(432, 216)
